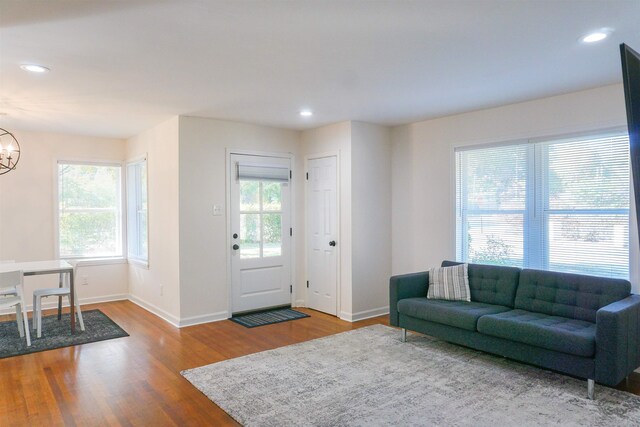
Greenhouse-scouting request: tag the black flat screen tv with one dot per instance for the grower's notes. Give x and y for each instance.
(631, 79)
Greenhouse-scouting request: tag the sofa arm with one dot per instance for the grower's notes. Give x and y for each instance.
(617, 340)
(405, 286)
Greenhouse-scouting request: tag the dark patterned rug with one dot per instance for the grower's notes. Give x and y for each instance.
(269, 317)
(57, 333)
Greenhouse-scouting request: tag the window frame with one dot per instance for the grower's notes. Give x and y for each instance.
(90, 260)
(536, 209)
(135, 161)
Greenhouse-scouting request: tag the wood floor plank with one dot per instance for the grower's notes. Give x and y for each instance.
(136, 381)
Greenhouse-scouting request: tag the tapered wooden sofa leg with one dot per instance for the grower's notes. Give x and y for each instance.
(403, 336)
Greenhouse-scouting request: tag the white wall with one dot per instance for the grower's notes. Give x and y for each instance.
(160, 144)
(396, 198)
(371, 218)
(364, 152)
(336, 138)
(203, 237)
(423, 189)
(27, 209)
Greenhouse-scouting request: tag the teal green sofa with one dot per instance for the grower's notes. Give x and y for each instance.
(584, 326)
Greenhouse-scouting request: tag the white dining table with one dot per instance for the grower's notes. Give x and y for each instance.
(35, 268)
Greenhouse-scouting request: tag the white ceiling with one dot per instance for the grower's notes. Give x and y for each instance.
(121, 67)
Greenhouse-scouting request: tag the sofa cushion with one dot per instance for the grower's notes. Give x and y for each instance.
(460, 314)
(491, 284)
(561, 334)
(449, 283)
(575, 296)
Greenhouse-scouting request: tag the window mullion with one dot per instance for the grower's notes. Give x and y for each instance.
(534, 226)
(261, 221)
(463, 240)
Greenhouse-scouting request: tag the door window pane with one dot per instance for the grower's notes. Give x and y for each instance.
(272, 234)
(250, 196)
(260, 219)
(250, 236)
(271, 196)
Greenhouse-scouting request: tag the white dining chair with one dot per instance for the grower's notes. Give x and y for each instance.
(63, 290)
(8, 290)
(14, 280)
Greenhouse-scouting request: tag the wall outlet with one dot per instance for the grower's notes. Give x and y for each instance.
(161, 289)
(84, 280)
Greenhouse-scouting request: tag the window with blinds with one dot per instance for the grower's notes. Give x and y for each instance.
(558, 205)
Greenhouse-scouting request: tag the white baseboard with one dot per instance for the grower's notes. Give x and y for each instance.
(361, 315)
(50, 303)
(299, 303)
(167, 317)
(205, 318)
(175, 321)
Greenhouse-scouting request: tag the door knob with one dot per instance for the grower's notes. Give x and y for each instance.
(235, 235)
(332, 243)
(236, 247)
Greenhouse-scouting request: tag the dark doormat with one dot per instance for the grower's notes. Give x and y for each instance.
(57, 333)
(268, 317)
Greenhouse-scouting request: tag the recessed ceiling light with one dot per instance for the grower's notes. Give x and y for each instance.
(306, 113)
(34, 68)
(596, 36)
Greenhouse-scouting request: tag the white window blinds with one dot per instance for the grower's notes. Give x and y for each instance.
(492, 204)
(560, 205)
(586, 205)
(262, 172)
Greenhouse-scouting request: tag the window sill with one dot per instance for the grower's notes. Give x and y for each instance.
(138, 263)
(91, 262)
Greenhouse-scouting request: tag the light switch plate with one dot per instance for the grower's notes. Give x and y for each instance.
(217, 210)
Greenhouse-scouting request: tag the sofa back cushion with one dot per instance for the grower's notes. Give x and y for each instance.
(574, 296)
(491, 284)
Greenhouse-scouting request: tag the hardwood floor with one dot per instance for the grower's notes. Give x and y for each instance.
(136, 381)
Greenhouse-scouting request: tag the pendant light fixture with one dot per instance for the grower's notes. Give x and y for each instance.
(9, 151)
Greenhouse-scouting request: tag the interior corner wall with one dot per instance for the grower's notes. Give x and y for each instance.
(423, 186)
(371, 219)
(336, 138)
(157, 287)
(27, 209)
(204, 143)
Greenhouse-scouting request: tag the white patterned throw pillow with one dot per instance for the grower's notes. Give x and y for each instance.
(449, 283)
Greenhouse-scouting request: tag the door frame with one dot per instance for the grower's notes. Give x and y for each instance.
(338, 250)
(229, 177)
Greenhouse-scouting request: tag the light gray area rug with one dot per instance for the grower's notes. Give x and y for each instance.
(367, 377)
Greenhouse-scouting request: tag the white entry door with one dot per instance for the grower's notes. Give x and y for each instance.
(260, 232)
(322, 224)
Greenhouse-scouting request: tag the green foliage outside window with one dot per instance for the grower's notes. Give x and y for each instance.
(89, 210)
